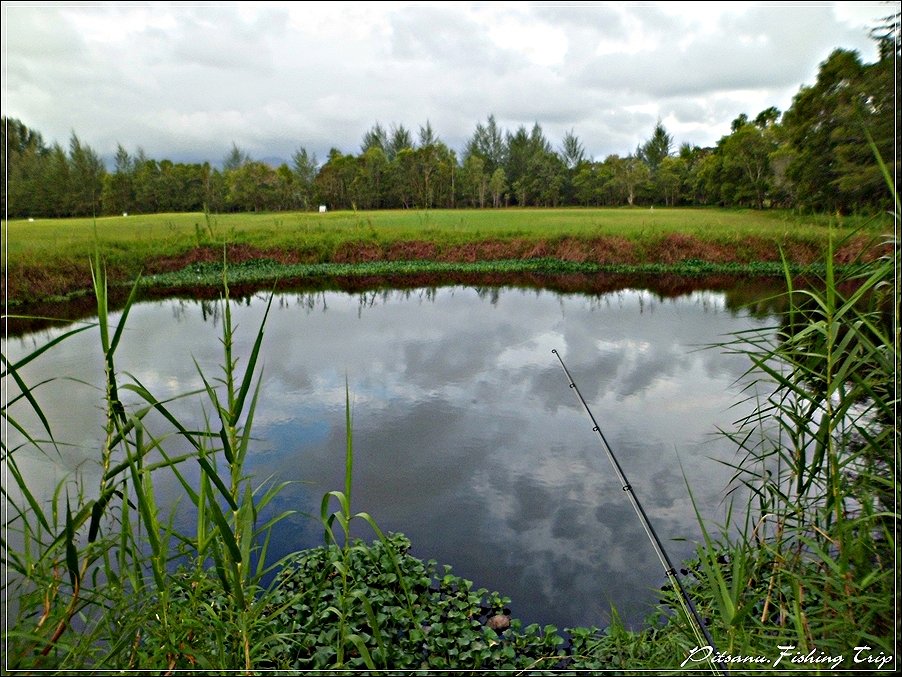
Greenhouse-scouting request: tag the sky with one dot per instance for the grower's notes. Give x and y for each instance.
(185, 81)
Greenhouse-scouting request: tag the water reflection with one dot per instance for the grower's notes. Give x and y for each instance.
(467, 437)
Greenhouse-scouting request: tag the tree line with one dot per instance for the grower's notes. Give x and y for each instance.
(814, 156)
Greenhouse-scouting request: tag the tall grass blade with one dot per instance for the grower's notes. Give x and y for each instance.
(250, 370)
(40, 350)
(349, 450)
(358, 642)
(26, 393)
(36, 509)
(71, 548)
(211, 473)
(126, 309)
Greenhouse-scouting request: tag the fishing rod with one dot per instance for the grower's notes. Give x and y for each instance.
(669, 569)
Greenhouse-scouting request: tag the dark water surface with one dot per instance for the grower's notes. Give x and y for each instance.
(466, 436)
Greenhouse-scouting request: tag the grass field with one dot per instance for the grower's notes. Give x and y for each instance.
(49, 257)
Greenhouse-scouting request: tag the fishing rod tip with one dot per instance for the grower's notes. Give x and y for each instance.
(554, 350)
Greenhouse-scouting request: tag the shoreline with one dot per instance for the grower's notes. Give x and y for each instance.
(49, 259)
(202, 282)
(64, 280)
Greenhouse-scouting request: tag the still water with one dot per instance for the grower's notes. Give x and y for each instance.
(466, 435)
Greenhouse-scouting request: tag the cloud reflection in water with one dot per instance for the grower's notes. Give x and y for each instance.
(467, 437)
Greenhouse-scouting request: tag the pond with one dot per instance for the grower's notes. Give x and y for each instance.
(466, 435)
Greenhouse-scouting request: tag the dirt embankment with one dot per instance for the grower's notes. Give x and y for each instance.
(28, 284)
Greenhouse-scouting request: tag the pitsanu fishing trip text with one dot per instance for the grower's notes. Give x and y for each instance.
(863, 656)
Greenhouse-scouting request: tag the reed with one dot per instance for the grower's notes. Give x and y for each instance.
(100, 576)
(813, 564)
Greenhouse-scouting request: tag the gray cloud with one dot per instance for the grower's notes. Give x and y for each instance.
(186, 81)
(605, 20)
(753, 51)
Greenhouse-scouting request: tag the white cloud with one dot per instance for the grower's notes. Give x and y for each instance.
(535, 43)
(185, 81)
(862, 15)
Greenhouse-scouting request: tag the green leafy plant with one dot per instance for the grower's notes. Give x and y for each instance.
(405, 613)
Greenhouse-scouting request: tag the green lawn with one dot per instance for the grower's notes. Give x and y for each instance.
(49, 256)
(172, 233)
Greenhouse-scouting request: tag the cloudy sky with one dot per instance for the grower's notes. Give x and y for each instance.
(186, 81)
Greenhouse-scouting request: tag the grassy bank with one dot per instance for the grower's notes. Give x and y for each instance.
(48, 257)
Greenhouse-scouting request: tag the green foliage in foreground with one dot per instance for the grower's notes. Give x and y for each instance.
(89, 568)
(430, 618)
(813, 563)
(438, 621)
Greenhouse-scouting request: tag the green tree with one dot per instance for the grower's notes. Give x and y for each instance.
(692, 157)
(449, 172)
(85, 178)
(588, 183)
(746, 160)
(474, 180)
(525, 150)
(367, 186)
(572, 150)
(24, 185)
(215, 189)
(497, 186)
(831, 165)
(656, 148)
(147, 172)
(170, 190)
(488, 144)
(252, 187)
(870, 111)
(706, 178)
(611, 190)
(430, 157)
(653, 153)
(810, 122)
(288, 195)
(374, 138)
(56, 183)
(741, 121)
(24, 164)
(767, 118)
(304, 166)
(235, 158)
(404, 171)
(427, 135)
(399, 140)
(573, 155)
(546, 178)
(630, 175)
(670, 178)
(186, 185)
(334, 179)
(118, 193)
